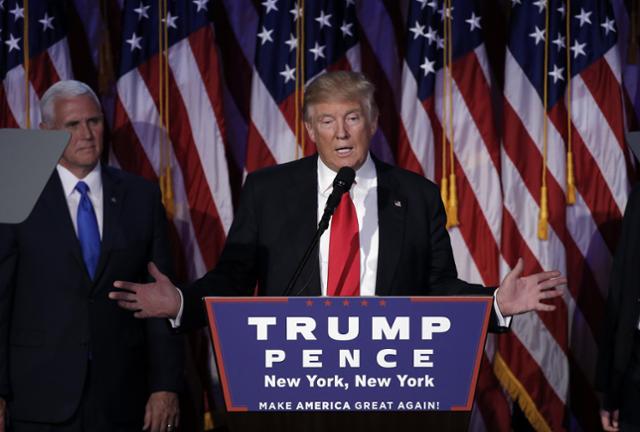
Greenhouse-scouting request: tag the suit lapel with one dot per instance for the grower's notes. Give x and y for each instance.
(391, 225)
(302, 210)
(55, 201)
(112, 202)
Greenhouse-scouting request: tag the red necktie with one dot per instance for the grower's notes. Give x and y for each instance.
(344, 251)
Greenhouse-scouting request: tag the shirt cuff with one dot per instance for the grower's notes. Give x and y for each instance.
(175, 323)
(502, 320)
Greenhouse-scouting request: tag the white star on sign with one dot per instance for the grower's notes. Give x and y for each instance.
(583, 17)
(515, 2)
(607, 25)
(448, 12)
(270, 5)
(559, 42)
(440, 42)
(324, 19)
(13, 43)
(350, 2)
(134, 42)
(427, 66)
(423, 3)
(1, 4)
(170, 20)
(474, 22)
(142, 11)
(346, 29)
(201, 5)
(265, 35)
(561, 10)
(578, 49)
(541, 4)
(292, 42)
(17, 12)
(317, 51)
(557, 74)
(417, 30)
(288, 73)
(431, 35)
(433, 4)
(538, 35)
(296, 12)
(46, 22)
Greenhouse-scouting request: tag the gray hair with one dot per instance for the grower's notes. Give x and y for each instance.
(341, 86)
(63, 90)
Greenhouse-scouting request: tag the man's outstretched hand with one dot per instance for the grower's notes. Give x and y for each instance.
(518, 295)
(159, 299)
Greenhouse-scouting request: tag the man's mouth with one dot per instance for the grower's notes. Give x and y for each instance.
(344, 151)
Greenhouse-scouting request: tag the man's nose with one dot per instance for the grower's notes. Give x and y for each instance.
(85, 130)
(342, 131)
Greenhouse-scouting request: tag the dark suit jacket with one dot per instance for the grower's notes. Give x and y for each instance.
(277, 218)
(623, 307)
(53, 318)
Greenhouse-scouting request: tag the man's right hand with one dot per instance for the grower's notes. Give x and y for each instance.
(3, 415)
(609, 420)
(159, 299)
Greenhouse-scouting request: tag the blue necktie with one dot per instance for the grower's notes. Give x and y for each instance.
(88, 232)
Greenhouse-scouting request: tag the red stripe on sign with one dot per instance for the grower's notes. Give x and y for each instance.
(590, 181)
(531, 377)
(476, 93)
(258, 153)
(514, 246)
(210, 69)
(126, 146)
(605, 90)
(476, 231)
(6, 116)
(204, 215)
(42, 73)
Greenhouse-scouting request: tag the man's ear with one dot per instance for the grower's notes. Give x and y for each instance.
(373, 125)
(310, 131)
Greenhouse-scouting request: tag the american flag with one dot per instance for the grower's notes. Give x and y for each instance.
(548, 361)
(222, 102)
(27, 75)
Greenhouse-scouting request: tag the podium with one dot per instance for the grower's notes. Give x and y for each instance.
(354, 363)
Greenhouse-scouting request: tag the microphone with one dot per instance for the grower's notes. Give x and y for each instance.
(341, 184)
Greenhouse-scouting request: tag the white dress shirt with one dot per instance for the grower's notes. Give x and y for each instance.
(364, 194)
(94, 181)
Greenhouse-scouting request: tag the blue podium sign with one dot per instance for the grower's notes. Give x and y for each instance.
(348, 353)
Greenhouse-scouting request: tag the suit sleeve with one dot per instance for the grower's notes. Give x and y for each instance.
(236, 273)
(8, 260)
(165, 348)
(622, 267)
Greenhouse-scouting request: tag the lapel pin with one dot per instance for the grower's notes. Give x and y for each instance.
(397, 203)
(113, 200)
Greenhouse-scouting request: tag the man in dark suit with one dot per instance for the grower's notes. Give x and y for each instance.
(618, 371)
(403, 246)
(71, 360)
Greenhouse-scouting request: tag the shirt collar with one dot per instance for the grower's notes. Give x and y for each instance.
(364, 174)
(69, 181)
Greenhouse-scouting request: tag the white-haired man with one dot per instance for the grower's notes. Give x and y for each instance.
(69, 359)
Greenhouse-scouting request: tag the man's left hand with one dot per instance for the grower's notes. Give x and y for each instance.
(518, 295)
(162, 413)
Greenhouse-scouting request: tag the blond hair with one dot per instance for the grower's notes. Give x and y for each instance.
(341, 86)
